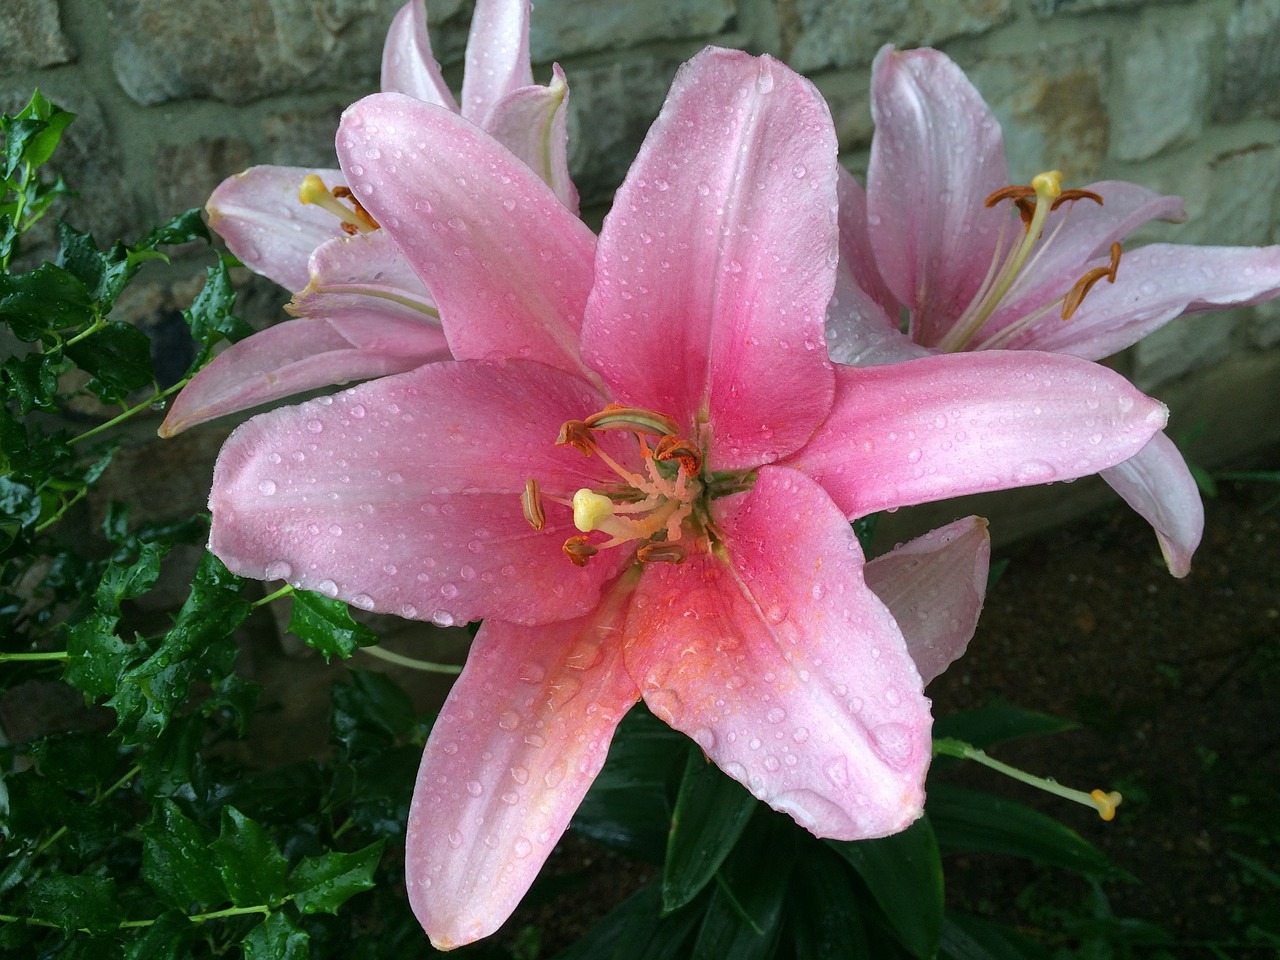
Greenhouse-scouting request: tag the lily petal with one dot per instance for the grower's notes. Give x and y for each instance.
(945, 426)
(533, 123)
(300, 355)
(508, 265)
(1154, 284)
(1157, 483)
(363, 273)
(1075, 234)
(497, 57)
(521, 737)
(408, 66)
(717, 261)
(935, 586)
(784, 667)
(402, 495)
(263, 222)
(937, 154)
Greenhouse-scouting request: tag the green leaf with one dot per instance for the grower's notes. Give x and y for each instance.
(78, 761)
(248, 861)
(635, 930)
(46, 299)
(32, 380)
(972, 938)
(904, 874)
(175, 860)
(277, 938)
(323, 884)
(183, 228)
(76, 902)
(744, 918)
(369, 714)
(864, 529)
(710, 814)
(326, 625)
(119, 358)
(129, 578)
(37, 146)
(997, 723)
(969, 820)
(210, 317)
(166, 939)
(824, 913)
(97, 658)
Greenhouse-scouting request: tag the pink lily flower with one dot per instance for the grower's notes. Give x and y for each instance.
(639, 472)
(938, 233)
(360, 310)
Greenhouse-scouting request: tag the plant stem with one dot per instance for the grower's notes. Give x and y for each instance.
(130, 411)
(426, 665)
(284, 591)
(20, 657)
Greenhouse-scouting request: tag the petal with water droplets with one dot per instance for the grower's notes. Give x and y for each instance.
(408, 65)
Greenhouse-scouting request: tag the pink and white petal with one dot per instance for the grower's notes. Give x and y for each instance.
(963, 423)
(1075, 234)
(300, 355)
(935, 586)
(362, 273)
(408, 65)
(1153, 285)
(784, 667)
(1157, 483)
(402, 495)
(507, 264)
(532, 123)
(521, 737)
(263, 222)
(497, 57)
(937, 154)
(717, 261)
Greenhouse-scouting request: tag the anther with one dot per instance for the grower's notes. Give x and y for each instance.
(531, 503)
(344, 193)
(686, 452)
(1071, 195)
(1106, 803)
(355, 219)
(576, 434)
(615, 416)
(1075, 296)
(661, 551)
(579, 551)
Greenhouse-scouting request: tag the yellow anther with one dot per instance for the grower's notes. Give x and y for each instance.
(1106, 803)
(590, 510)
(1047, 185)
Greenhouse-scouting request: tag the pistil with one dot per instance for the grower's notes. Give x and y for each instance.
(355, 219)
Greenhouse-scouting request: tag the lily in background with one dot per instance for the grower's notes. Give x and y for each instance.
(639, 472)
(361, 311)
(981, 265)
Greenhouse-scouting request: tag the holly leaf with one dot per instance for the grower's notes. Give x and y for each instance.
(175, 859)
(326, 625)
(97, 658)
(46, 299)
(277, 938)
(118, 356)
(249, 862)
(76, 902)
(323, 884)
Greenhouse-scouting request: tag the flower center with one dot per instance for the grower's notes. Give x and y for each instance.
(1033, 204)
(355, 218)
(660, 511)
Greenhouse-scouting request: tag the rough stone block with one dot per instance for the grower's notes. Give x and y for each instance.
(610, 110)
(1050, 106)
(1185, 344)
(186, 173)
(563, 27)
(848, 94)
(303, 138)
(1049, 8)
(846, 33)
(1161, 84)
(1251, 72)
(31, 36)
(238, 50)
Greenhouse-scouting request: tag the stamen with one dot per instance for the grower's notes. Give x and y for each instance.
(617, 417)
(531, 503)
(662, 552)
(579, 551)
(357, 220)
(1075, 296)
(686, 452)
(1071, 195)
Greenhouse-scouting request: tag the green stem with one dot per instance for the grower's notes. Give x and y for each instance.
(284, 591)
(403, 661)
(75, 498)
(262, 908)
(131, 411)
(23, 657)
(98, 324)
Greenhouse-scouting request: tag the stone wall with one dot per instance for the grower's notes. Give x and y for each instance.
(1182, 96)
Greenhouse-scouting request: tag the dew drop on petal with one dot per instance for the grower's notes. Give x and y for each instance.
(267, 487)
(328, 588)
(278, 570)
(522, 847)
(474, 788)
(531, 673)
(509, 720)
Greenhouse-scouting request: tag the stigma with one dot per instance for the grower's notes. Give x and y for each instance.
(1032, 203)
(651, 510)
(354, 219)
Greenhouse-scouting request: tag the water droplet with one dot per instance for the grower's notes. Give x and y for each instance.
(267, 487)
(799, 171)
(511, 798)
(771, 762)
(522, 847)
(776, 715)
(583, 656)
(328, 588)
(554, 774)
(509, 720)
(705, 738)
(278, 570)
(394, 477)
(520, 774)
(363, 601)
(775, 613)
(800, 735)
(455, 839)
(837, 771)
(666, 705)
(892, 741)
(315, 426)
(564, 689)
(1034, 471)
(448, 591)
(531, 673)
(474, 788)
(356, 410)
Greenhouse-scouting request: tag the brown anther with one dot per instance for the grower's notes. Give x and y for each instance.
(615, 416)
(350, 229)
(576, 434)
(1017, 191)
(1066, 195)
(662, 551)
(1026, 210)
(1075, 296)
(676, 448)
(531, 502)
(579, 551)
(344, 193)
